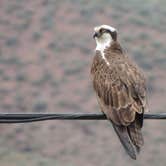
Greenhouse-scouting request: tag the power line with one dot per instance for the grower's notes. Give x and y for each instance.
(34, 117)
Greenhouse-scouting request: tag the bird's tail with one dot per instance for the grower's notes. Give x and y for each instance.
(130, 137)
(134, 130)
(124, 137)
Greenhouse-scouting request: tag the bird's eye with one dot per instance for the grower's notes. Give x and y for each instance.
(101, 30)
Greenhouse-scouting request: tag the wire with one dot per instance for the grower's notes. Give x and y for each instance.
(34, 117)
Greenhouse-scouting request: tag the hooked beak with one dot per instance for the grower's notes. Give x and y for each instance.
(95, 35)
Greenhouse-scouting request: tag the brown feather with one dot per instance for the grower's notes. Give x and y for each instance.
(135, 134)
(121, 91)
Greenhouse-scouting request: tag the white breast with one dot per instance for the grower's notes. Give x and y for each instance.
(102, 43)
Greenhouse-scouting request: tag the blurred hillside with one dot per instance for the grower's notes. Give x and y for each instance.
(46, 49)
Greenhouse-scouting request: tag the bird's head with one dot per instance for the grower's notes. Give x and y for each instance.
(104, 35)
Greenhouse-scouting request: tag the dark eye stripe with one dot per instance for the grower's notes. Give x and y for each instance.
(104, 30)
(108, 31)
(113, 34)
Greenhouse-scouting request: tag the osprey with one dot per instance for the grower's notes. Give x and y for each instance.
(120, 89)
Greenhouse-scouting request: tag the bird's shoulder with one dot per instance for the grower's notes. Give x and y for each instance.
(119, 66)
(100, 70)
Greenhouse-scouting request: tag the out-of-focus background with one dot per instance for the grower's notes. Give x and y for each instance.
(46, 50)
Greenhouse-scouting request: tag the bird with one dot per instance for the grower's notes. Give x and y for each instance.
(120, 87)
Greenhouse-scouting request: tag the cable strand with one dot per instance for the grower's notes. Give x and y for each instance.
(34, 117)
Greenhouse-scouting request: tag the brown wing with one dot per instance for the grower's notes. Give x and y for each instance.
(120, 89)
(121, 92)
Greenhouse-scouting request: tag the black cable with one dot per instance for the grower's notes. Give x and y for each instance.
(33, 117)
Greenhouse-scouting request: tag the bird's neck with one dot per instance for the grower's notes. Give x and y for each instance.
(116, 47)
(101, 45)
(107, 44)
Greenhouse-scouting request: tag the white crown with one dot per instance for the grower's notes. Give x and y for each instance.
(112, 29)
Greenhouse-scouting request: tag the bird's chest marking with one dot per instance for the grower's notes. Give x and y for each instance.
(101, 48)
(103, 57)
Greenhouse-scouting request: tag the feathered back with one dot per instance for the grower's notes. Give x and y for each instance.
(121, 91)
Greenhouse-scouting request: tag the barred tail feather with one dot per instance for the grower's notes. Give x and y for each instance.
(135, 134)
(124, 137)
